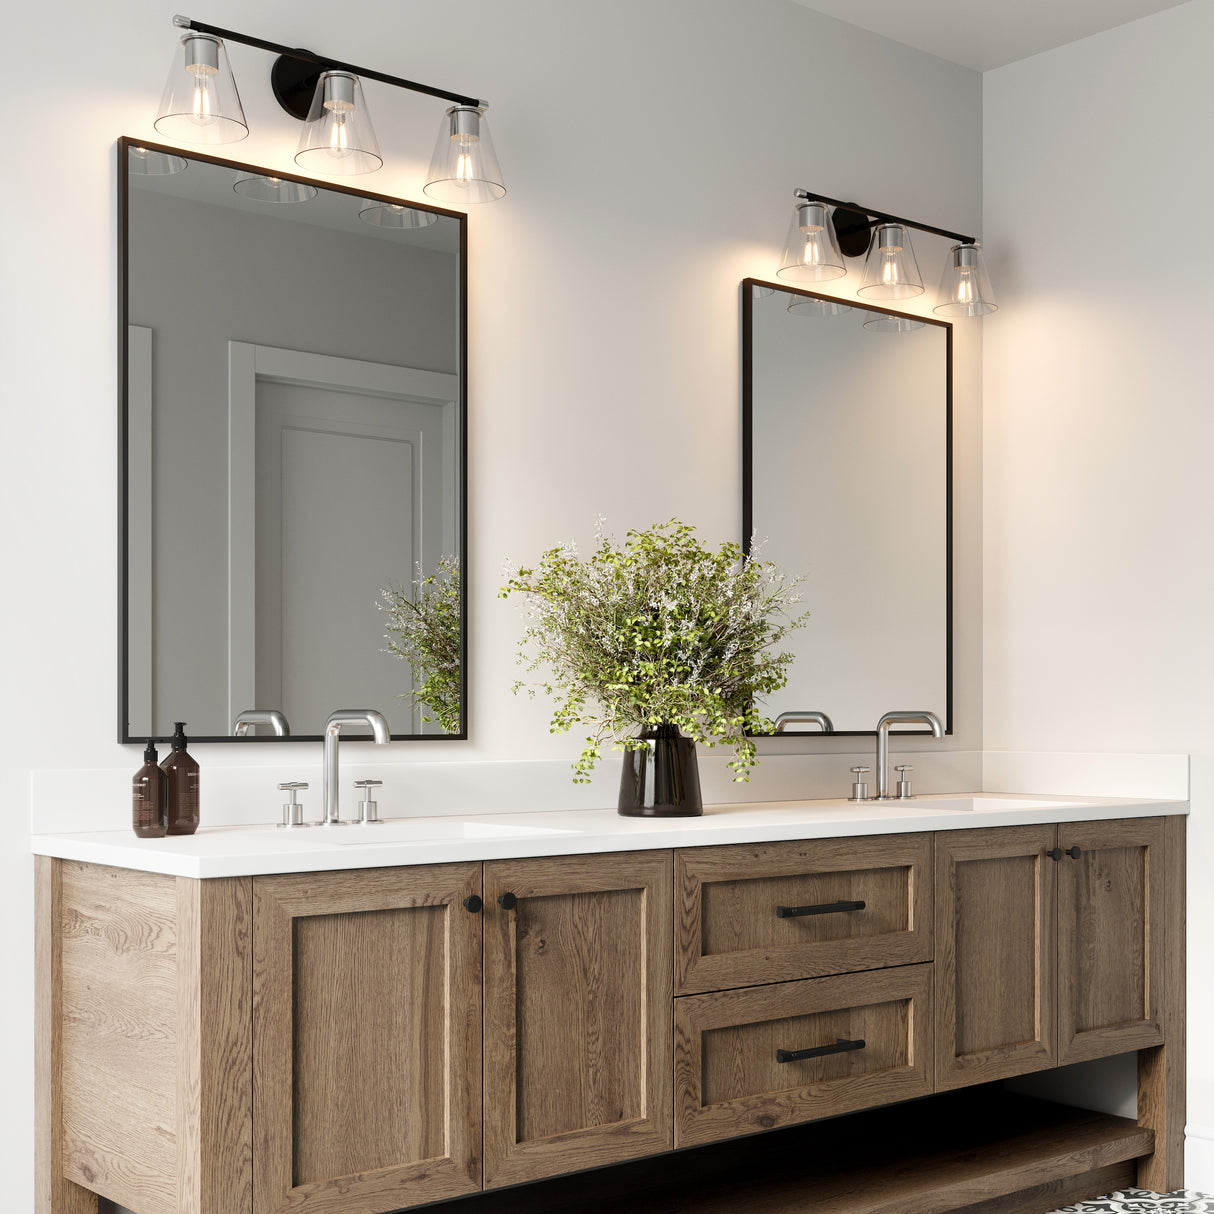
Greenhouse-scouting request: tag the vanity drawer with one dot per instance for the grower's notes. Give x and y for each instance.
(751, 1060)
(750, 914)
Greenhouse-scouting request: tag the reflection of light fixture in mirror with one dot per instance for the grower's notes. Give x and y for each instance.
(337, 138)
(147, 162)
(811, 252)
(965, 289)
(274, 189)
(762, 292)
(803, 305)
(888, 323)
(393, 215)
(464, 166)
(890, 270)
(200, 103)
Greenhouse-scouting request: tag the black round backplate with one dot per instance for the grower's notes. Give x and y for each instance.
(294, 83)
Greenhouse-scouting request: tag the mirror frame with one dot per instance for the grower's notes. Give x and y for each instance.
(748, 297)
(124, 144)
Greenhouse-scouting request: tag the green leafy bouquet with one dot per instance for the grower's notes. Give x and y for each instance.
(658, 630)
(424, 630)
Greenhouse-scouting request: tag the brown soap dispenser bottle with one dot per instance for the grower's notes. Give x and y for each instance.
(182, 773)
(149, 797)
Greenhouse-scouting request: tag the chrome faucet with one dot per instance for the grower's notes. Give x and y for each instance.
(345, 716)
(260, 716)
(883, 726)
(785, 719)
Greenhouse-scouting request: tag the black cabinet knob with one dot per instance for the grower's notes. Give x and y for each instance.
(1074, 853)
(473, 904)
(1055, 853)
(507, 901)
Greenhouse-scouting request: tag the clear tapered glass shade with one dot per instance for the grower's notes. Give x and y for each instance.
(890, 269)
(338, 139)
(811, 252)
(965, 289)
(464, 167)
(200, 102)
(801, 305)
(274, 189)
(761, 292)
(147, 162)
(395, 215)
(893, 324)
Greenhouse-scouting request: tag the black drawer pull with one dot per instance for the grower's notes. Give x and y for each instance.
(1055, 853)
(507, 901)
(473, 904)
(841, 1046)
(827, 908)
(1074, 853)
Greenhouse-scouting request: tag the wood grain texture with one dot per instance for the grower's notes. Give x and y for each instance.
(996, 950)
(1110, 907)
(729, 1082)
(119, 950)
(214, 1076)
(53, 1193)
(979, 1151)
(577, 1013)
(1161, 1070)
(367, 1039)
(729, 934)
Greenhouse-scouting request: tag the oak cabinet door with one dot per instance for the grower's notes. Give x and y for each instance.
(366, 1039)
(1111, 885)
(996, 934)
(578, 1050)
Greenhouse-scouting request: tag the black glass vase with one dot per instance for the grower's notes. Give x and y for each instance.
(662, 778)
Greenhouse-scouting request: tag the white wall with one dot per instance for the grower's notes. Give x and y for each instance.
(1098, 426)
(651, 149)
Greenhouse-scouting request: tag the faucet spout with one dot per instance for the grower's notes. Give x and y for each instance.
(345, 716)
(260, 716)
(806, 717)
(883, 726)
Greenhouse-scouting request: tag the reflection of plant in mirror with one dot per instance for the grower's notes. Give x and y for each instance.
(658, 630)
(424, 630)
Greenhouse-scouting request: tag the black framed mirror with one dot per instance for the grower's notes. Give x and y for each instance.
(847, 479)
(293, 442)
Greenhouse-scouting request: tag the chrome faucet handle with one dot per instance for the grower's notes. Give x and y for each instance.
(859, 788)
(904, 792)
(368, 810)
(292, 811)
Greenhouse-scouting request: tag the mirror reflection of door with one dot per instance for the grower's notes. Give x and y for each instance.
(349, 491)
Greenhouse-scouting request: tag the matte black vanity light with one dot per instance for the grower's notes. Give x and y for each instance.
(891, 271)
(201, 105)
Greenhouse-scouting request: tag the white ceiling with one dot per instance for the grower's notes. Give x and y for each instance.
(984, 34)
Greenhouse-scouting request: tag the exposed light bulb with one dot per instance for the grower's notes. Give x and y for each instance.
(204, 92)
(964, 292)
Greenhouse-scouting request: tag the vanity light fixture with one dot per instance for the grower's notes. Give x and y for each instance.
(274, 189)
(803, 305)
(890, 271)
(201, 105)
(888, 322)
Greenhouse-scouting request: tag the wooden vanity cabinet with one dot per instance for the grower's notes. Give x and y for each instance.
(577, 1012)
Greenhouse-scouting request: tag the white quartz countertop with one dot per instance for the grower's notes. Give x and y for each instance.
(233, 851)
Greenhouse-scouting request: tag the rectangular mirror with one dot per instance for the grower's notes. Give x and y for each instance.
(847, 472)
(293, 361)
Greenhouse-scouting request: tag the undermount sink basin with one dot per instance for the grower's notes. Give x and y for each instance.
(417, 830)
(993, 802)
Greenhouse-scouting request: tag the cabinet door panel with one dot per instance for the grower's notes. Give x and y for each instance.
(577, 1013)
(995, 954)
(1110, 963)
(873, 896)
(366, 1039)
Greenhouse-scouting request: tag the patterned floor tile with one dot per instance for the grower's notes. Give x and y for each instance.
(1143, 1201)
